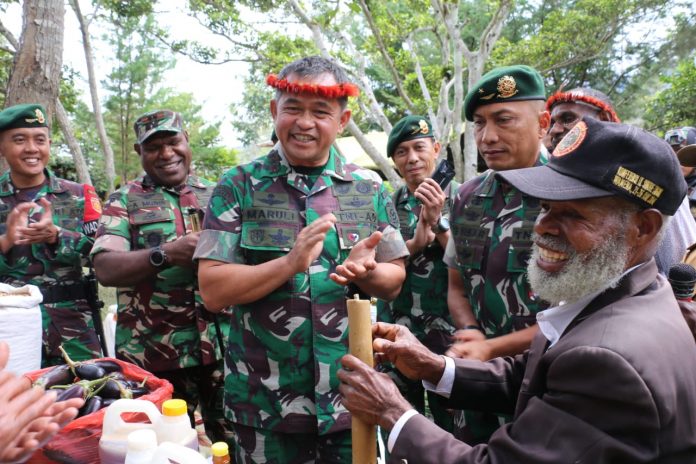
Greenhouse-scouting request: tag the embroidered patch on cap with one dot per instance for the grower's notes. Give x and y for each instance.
(637, 185)
(572, 140)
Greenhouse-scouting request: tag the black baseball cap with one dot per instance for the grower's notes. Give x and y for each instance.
(598, 159)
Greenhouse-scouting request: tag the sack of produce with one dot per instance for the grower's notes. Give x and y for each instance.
(100, 382)
(20, 326)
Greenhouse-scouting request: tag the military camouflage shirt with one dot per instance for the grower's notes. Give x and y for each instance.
(58, 266)
(284, 349)
(162, 323)
(422, 304)
(490, 244)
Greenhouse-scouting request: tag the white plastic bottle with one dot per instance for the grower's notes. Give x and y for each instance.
(113, 443)
(142, 445)
(174, 425)
(168, 452)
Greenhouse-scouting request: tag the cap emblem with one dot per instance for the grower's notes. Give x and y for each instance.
(572, 140)
(507, 87)
(422, 128)
(39, 117)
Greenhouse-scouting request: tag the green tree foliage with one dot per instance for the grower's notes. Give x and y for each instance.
(674, 105)
(140, 63)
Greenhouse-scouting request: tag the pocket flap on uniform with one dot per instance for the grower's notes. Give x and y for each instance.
(350, 234)
(257, 236)
(149, 216)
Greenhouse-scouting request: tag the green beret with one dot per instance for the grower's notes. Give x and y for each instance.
(25, 115)
(157, 121)
(408, 128)
(509, 83)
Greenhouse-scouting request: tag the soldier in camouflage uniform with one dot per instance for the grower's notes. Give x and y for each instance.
(283, 235)
(144, 246)
(423, 208)
(46, 227)
(492, 229)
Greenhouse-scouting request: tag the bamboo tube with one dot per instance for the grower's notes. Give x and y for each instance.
(360, 344)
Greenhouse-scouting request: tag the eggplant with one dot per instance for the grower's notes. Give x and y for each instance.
(89, 371)
(138, 392)
(93, 404)
(59, 375)
(76, 390)
(111, 389)
(106, 402)
(109, 366)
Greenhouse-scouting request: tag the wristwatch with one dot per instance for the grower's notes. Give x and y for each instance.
(442, 225)
(158, 257)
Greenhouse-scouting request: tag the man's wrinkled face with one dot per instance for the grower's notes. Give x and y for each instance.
(508, 134)
(580, 247)
(415, 160)
(26, 150)
(564, 116)
(307, 125)
(166, 157)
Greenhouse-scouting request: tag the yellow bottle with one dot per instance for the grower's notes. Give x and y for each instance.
(221, 453)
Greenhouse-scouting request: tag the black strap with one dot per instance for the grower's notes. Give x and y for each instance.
(56, 293)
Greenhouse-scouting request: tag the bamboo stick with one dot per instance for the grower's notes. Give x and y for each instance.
(360, 344)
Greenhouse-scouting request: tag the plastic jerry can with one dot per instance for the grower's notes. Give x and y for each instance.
(175, 426)
(168, 453)
(142, 445)
(113, 443)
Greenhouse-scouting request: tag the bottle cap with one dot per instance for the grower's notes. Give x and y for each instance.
(174, 408)
(220, 448)
(142, 440)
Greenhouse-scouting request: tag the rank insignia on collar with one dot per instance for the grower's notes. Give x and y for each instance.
(507, 87)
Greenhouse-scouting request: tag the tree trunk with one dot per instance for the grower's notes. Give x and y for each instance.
(382, 162)
(80, 164)
(35, 76)
(36, 71)
(109, 168)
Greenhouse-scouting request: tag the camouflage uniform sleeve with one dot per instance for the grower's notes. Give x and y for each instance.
(75, 245)
(450, 256)
(113, 233)
(392, 245)
(222, 226)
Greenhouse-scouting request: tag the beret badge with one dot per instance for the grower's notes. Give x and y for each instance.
(507, 87)
(39, 117)
(421, 129)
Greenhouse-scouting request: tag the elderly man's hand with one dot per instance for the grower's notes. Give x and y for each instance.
(396, 344)
(370, 395)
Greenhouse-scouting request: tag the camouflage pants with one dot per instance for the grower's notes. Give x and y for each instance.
(202, 385)
(258, 446)
(71, 325)
(474, 427)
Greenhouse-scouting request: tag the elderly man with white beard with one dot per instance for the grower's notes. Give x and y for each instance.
(610, 376)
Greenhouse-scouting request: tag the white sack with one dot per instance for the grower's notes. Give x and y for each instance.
(20, 326)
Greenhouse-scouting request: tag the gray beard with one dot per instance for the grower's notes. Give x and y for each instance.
(583, 274)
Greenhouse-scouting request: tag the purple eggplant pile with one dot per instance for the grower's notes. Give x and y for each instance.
(99, 383)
